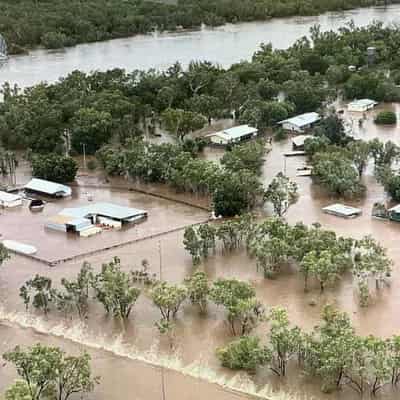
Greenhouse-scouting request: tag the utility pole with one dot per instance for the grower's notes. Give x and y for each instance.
(84, 155)
(163, 383)
(160, 258)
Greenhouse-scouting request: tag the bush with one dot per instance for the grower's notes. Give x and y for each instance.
(54, 40)
(386, 118)
(244, 353)
(54, 167)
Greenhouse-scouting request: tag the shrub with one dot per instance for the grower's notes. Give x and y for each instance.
(54, 40)
(386, 118)
(244, 353)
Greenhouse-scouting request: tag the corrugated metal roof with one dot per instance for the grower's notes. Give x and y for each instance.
(235, 132)
(8, 197)
(363, 103)
(303, 119)
(47, 187)
(104, 209)
(343, 210)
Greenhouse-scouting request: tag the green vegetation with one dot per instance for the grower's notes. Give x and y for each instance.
(233, 191)
(320, 255)
(386, 118)
(4, 255)
(332, 352)
(48, 373)
(245, 353)
(282, 193)
(54, 167)
(52, 24)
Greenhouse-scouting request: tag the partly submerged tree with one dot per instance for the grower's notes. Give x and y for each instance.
(116, 289)
(49, 373)
(245, 353)
(198, 290)
(168, 299)
(282, 193)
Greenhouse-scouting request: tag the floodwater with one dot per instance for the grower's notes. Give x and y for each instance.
(223, 45)
(190, 351)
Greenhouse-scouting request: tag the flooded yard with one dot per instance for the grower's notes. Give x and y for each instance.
(28, 227)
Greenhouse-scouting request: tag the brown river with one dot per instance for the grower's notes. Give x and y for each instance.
(130, 357)
(133, 360)
(223, 45)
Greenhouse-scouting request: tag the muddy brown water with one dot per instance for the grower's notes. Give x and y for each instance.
(136, 345)
(224, 45)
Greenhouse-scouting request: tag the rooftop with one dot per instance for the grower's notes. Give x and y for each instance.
(363, 103)
(48, 187)
(342, 210)
(5, 196)
(236, 132)
(103, 209)
(300, 139)
(303, 119)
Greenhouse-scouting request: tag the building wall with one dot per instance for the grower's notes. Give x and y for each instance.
(292, 128)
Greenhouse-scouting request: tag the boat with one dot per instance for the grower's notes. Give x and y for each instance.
(36, 205)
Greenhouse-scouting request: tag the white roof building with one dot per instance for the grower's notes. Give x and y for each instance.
(341, 210)
(47, 187)
(298, 141)
(301, 122)
(79, 219)
(361, 105)
(8, 200)
(233, 135)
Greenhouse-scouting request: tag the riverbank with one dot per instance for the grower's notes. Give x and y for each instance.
(76, 23)
(224, 46)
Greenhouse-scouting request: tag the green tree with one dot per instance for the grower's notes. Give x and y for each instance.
(77, 291)
(4, 254)
(192, 244)
(39, 292)
(285, 342)
(198, 290)
(386, 118)
(168, 299)
(238, 298)
(54, 167)
(248, 156)
(337, 174)
(180, 122)
(244, 353)
(282, 193)
(48, 373)
(90, 128)
(115, 289)
(359, 153)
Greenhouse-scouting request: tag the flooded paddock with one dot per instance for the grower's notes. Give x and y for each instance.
(28, 227)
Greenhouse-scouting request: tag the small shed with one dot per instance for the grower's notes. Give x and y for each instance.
(298, 141)
(9, 200)
(394, 213)
(362, 105)
(233, 135)
(48, 188)
(341, 210)
(300, 123)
